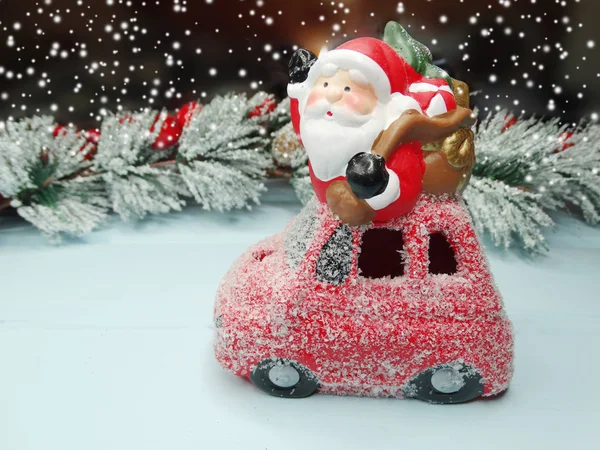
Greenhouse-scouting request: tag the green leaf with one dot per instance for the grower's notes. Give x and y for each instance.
(432, 71)
(48, 196)
(41, 171)
(399, 39)
(414, 52)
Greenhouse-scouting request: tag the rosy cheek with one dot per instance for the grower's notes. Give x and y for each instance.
(356, 102)
(314, 96)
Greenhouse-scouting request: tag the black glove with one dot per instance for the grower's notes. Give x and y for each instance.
(300, 63)
(367, 175)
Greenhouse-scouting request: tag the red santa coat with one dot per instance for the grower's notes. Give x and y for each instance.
(408, 164)
(433, 96)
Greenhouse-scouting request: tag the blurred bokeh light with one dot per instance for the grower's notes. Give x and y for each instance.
(77, 59)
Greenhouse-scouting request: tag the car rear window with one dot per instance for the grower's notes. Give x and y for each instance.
(381, 253)
(441, 255)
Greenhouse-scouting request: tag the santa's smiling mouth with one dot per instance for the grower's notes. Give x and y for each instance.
(329, 113)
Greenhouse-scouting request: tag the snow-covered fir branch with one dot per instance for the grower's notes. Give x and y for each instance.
(220, 127)
(223, 155)
(508, 152)
(126, 141)
(36, 171)
(279, 117)
(507, 213)
(21, 147)
(123, 160)
(542, 156)
(300, 175)
(215, 185)
(302, 185)
(62, 182)
(145, 190)
(80, 211)
(570, 176)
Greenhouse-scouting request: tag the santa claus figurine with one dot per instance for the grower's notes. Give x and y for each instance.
(362, 112)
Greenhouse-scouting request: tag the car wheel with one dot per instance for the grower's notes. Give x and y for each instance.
(446, 384)
(284, 378)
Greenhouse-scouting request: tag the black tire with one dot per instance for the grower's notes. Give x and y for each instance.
(422, 386)
(306, 385)
(496, 396)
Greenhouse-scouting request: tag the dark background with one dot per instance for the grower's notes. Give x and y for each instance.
(54, 53)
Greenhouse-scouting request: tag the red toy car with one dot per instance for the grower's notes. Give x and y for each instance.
(407, 308)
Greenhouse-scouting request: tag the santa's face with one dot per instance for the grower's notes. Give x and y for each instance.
(345, 93)
(342, 117)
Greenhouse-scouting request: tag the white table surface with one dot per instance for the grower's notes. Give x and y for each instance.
(106, 343)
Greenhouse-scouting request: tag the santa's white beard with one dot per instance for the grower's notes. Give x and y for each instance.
(331, 143)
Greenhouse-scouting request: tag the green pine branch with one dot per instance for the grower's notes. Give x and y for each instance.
(220, 162)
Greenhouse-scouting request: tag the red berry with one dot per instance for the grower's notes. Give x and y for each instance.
(509, 121)
(60, 130)
(184, 115)
(564, 138)
(93, 136)
(89, 150)
(267, 106)
(169, 133)
(127, 118)
(45, 155)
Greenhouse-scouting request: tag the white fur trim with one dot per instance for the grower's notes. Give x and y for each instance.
(297, 90)
(358, 77)
(329, 70)
(399, 104)
(390, 195)
(437, 106)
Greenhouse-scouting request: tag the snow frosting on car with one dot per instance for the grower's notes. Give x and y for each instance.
(406, 308)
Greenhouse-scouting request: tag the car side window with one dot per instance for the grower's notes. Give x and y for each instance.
(335, 260)
(381, 253)
(442, 259)
(300, 234)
